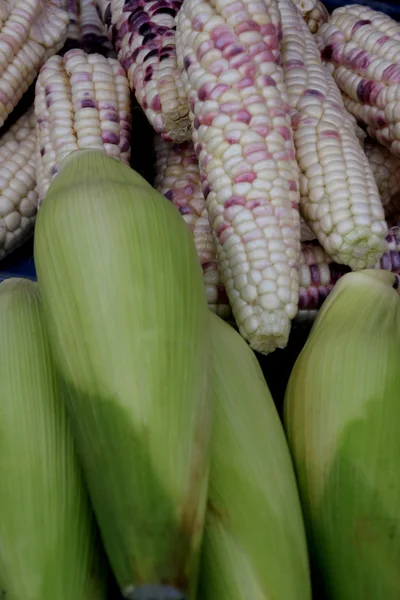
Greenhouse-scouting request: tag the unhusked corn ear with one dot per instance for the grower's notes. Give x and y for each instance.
(49, 540)
(244, 142)
(129, 329)
(314, 13)
(18, 193)
(363, 47)
(254, 532)
(143, 35)
(319, 273)
(339, 196)
(26, 40)
(178, 179)
(81, 101)
(341, 416)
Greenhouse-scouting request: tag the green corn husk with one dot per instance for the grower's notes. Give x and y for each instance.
(128, 319)
(49, 545)
(254, 543)
(342, 415)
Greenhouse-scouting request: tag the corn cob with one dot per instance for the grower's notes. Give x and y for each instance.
(386, 169)
(363, 47)
(81, 101)
(318, 273)
(143, 35)
(314, 13)
(93, 35)
(18, 195)
(339, 196)
(86, 29)
(73, 33)
(32, 31)
(229, 56)
(178, 178)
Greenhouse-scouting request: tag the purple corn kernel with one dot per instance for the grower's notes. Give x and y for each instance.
(327, 52)
(87, 103)
(165, 11)
(385, 262)
(148, 74)
(396, 282)
(107, 15)
(314, 273)
(149, 37)
(364, 90)
(314, 93)
(360, 24)
(150, 54)
(312, 297)
(109, 137)
(302, 299)
(392, 74)
(395, 259)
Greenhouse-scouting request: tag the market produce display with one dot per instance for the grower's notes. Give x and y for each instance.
(140, 446)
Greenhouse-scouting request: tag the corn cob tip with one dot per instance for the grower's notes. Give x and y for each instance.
(153, 592)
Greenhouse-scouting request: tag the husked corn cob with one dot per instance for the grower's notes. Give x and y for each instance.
(339, 196)
(314, 13)
(316, 17)
(386, 169)
(363, 47)
(93, 35)
(86, 29)
(318, 273)
(73, 33)
(81, 101)
(18, 195)
(143, 35)
(178, 179)
(229, 55)
(32, 30)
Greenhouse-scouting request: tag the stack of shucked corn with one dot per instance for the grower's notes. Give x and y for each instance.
(257, 142)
